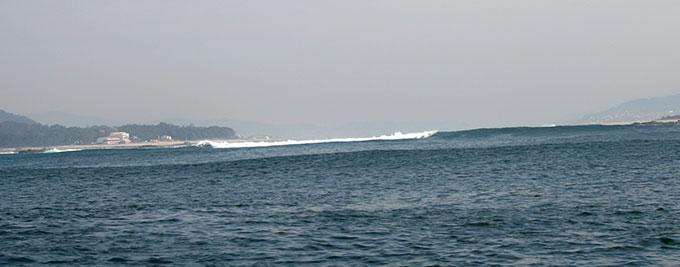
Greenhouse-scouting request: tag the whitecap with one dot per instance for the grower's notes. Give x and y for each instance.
(395, 136)
(56, 150)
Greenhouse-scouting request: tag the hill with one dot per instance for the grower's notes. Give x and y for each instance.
(16, 134)
(637, 110)
(6, 116)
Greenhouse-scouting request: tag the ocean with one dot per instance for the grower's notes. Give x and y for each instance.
(578, 195)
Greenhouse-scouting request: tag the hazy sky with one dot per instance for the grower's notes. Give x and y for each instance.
(495, 62)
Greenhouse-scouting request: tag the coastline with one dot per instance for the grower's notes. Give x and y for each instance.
(156, 144)
(644, 123)
(160, 144)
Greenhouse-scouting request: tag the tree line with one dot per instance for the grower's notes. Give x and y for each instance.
(16, 134)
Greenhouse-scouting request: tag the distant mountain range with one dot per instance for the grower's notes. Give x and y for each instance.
(6, 116)
(637, 110)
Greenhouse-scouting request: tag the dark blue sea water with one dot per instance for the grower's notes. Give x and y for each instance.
(589, 195)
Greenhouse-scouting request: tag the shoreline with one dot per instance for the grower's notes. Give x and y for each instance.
(156, 144)
(160, 144)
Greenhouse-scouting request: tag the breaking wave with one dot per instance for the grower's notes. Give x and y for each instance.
(395, 136)
(56, 150)
(8, 153)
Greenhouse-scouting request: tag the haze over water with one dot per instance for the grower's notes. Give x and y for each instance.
(480, 63)
(325, 83)
(589, 195)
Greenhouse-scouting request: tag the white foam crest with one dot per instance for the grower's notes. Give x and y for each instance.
(56, 150)
(8, 153)
(395, 136)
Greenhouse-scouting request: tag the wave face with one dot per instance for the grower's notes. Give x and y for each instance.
(395, 136)
(532, 131)
(488, 136)
(558, 134)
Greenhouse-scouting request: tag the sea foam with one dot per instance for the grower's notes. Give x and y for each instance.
(56, 150)
(395, 136)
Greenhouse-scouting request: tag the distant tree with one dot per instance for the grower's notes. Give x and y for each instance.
(153, 132)
(16, 134)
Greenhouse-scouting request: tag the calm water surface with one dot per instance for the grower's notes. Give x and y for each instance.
(520, 196)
